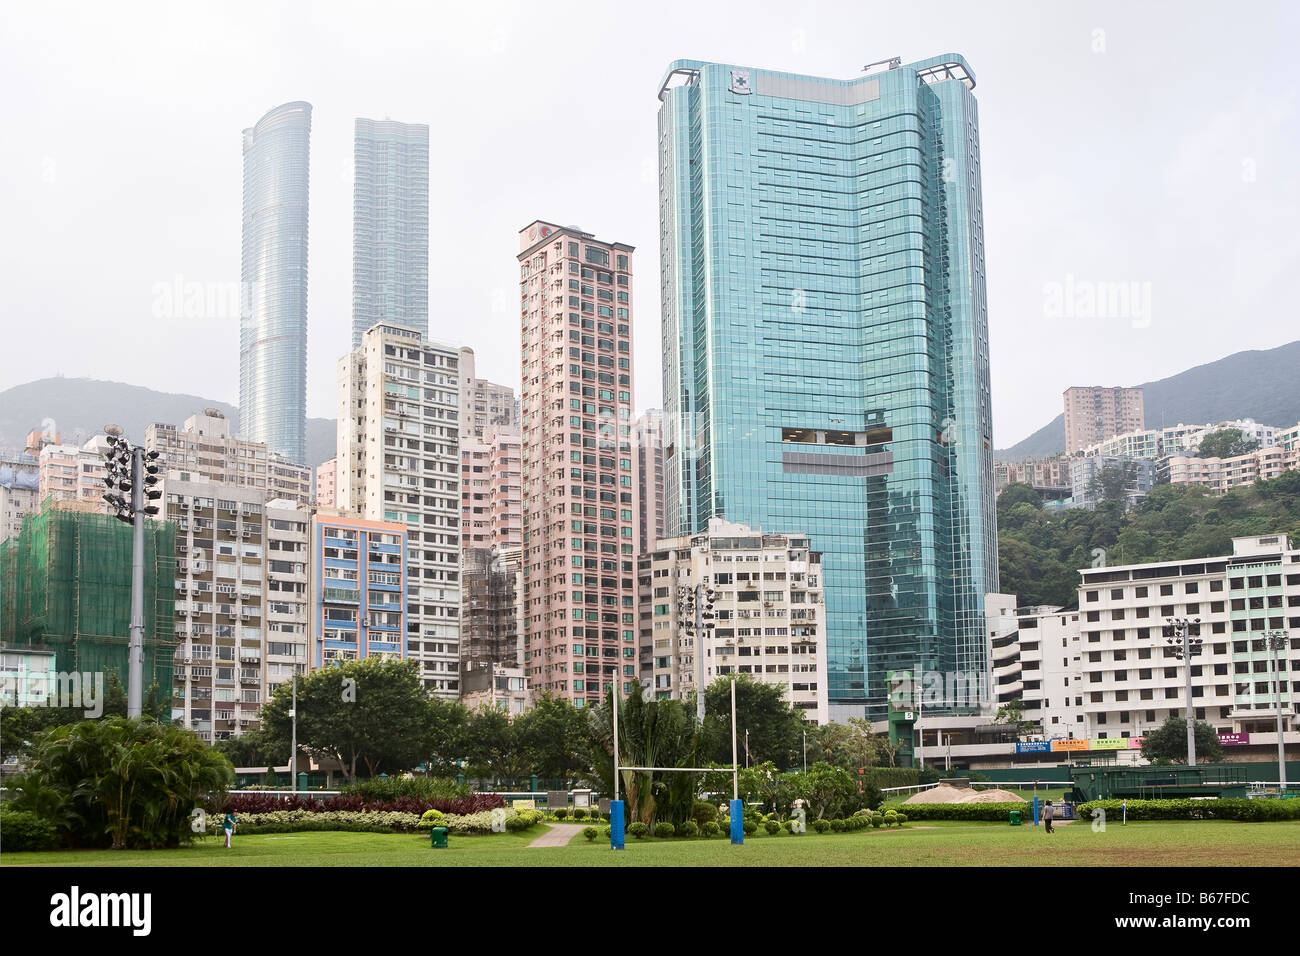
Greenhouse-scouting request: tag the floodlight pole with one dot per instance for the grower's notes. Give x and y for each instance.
(699, 652)
(1184, 631)
(293, 744)
(135, 658)
(735, 765)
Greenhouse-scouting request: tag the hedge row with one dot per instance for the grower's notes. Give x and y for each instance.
(960, 811)
(481, 822)
(22, 830)
(1249, 811)
(295, 821)
(259, 803)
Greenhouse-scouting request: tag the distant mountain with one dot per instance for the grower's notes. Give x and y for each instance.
(80, 407)
(1263, 385)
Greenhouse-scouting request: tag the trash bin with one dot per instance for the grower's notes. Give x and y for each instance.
(438, 838)
(1015, 818)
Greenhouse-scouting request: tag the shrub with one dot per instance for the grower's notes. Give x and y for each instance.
(561, 812)
(902, 818)
(120, 782)
(431, 818)
(877, 820)
(579, 813)
(750, 827)
(264, 803)
(1246, 811)
(664, 829)
(993, 812)
(296, 821)
(379, 789)
(772, 827)
(638, 830)
(22, 830)
(689, 829)
(702, 812)
(788, 826)
(711, 829)
(821, 826)
(606, 833)
(837, 826)
(590, 833)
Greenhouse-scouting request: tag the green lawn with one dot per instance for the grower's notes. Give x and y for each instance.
(1198, 843)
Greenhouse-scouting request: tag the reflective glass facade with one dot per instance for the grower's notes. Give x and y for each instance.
(273, 310)
(390, 227)
(826, 345)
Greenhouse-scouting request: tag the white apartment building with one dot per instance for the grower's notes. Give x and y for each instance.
(769, 607)
(1132, 678)
(204, 447)
(1035, 658)
(483, 403)
(399, 460)
(16, 502)
(241, 600)
(1164, 442)
(1221, 475)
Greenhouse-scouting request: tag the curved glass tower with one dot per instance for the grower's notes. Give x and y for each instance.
(273, 312)
(825, 338)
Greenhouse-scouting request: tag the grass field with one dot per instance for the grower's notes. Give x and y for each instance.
(1199, 843)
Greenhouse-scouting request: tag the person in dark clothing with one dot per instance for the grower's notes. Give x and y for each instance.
(1048, 813)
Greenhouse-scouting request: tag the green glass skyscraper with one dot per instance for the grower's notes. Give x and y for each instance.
(826, 346)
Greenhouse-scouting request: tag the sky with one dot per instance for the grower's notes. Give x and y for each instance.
(1139, 165)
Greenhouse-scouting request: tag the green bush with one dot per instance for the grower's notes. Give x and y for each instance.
(432, 818)
(394, 788)
(22, 830)
(579, 813)
(750, 827)
(122, 783)
(664, 829)
(902, 818)
(993, 812)
(703, 811)
(877, 821)
(638, 830)
(1243, 810)
(788, 826)
(561, 812)
(711, 829)
(772, 827)
(821, 826)
(689, 829)
(837, 826)
(590, 833)
(352, 821)
(606, 833)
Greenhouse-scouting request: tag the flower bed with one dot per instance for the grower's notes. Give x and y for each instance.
(258, 803)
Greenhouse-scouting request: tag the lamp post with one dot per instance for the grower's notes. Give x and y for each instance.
(1186, 645)
(695, 610)
(1277, 641)
(131, 471)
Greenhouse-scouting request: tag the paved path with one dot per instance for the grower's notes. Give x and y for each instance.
(559, 834)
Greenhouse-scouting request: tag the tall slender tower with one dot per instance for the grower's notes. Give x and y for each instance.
(273, 270)
(579, 487)
(390, 227)
(826, 361)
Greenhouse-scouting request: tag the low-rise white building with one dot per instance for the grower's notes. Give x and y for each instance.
(769, 614)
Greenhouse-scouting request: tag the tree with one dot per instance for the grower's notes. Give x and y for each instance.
(1018, 493)
(492, 745)
(550, 736)
(1226, 443)
(1168, 744)
(122, 782)
(850, 745)
(1111, 483)
(775, 728)
(444, 735)
(253, 749)
(1013, 714)
(372, 712)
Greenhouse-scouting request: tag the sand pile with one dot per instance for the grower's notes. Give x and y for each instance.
(947, 794)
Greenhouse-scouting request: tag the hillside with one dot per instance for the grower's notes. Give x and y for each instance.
(1262, 385)
(80, 407)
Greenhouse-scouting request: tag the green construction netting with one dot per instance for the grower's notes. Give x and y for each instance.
(65, 586)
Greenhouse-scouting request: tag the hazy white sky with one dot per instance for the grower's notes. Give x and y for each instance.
(1148, 145)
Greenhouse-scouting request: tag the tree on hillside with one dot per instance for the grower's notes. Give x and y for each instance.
(1168, 744)
(1226, 443)
(1019, 493)
(1112, 482)
(371, 714)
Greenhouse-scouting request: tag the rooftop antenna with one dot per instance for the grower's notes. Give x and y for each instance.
(893, 63)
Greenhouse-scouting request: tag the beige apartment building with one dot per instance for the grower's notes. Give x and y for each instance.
(579, 484)
(204, 447)
(1093, 413)
(648, 442)
(770, 614)
(491, 489)
(483, 403)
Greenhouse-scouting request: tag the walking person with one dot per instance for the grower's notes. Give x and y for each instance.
(1048, 810)
(228, 825)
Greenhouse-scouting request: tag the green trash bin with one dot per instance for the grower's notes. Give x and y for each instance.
(438, 838)
(1015, 818)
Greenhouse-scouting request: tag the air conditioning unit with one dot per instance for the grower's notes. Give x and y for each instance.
(185, 660)
(246, 534)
